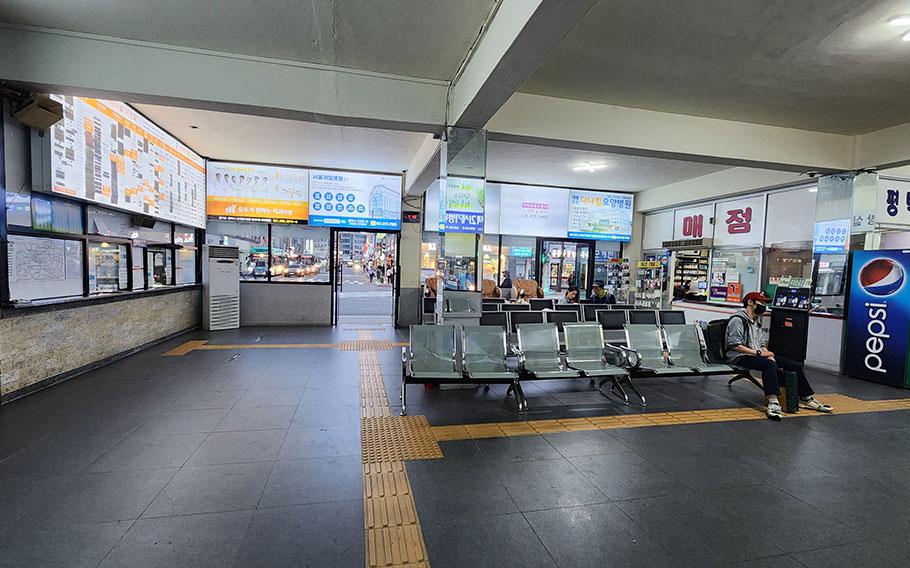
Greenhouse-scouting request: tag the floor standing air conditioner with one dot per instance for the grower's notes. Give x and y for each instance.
(221, 288)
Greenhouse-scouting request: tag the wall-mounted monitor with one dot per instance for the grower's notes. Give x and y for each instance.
(105, 152)
(600, 216)
(355, 200)
(533, 211)
(256, 192)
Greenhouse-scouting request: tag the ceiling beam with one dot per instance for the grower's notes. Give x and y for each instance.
(520, 35)
(142, 72)
(424, 167)
(600, 127)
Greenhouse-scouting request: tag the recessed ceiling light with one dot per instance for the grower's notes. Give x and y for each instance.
(193, 126)
(588, 167)
(813, 189)
(899, 21)
(906, 36)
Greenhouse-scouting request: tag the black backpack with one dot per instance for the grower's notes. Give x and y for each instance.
(716, 338)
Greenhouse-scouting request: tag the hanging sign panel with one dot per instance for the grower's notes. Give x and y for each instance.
(107, 153)
(238, 190)
(892, 203)
(740, 222)
(600, 216)
(694, 223)
(464, 205)
(831, 236)
(533, 211)
(345, 199)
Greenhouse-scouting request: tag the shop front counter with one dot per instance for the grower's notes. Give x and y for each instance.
(826, 331)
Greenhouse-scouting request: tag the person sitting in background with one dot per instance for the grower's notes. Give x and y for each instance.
(599, 295)
(746, 348)
(571, 296)
(522, 297)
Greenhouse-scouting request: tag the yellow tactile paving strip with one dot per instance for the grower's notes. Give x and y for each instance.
(393, 537)
(354, 345)
(842, 405)
(367, 345)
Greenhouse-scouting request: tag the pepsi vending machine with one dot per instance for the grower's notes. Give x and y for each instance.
(878, 317)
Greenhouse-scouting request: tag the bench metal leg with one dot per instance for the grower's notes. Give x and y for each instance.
(628, 380)
(747, 376)
(520, 400)
(404, 396)
(615, 388)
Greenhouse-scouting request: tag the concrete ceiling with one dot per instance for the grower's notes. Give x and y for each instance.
(826, 65)
(225, 136)
(526, 163)
(414, 38)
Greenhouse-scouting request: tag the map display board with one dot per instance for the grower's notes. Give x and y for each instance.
(41, 268)
(464, 205)
(256, 192)
(107, 153)
(533, 211)
(345, 199)
(600, 216)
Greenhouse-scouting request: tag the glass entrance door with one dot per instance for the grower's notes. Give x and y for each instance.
(565, 264)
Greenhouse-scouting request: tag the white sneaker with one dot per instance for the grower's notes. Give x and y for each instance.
(814, 404)
(774, 411)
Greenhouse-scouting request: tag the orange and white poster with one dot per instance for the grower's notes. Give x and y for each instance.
(254, 191)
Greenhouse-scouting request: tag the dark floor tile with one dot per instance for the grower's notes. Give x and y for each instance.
(626, 476)
(783, 561)
(596, 535)
(348, 395)
(208, 399)
(183, 422)
(73, 546)
(695, 536)
(788, 522)
(239, 447)
(574, 444)
(20, 496)
(319, 415)
(871, 554)
(500, 540)
(148, 452)
(211, 488)
(459, 452)
(683, 436)
(315, 480)
(700, 467)
(271, 397)
(518, 448)
(202, 541)
(102, 497)
(321, 442)
(445, 491)
(546, 484)
(324, 534)
(256, 418)
(60, 454)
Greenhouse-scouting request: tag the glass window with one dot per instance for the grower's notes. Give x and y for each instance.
(517, 259)
(429, 254)
(42, 268)
(186, 256)
(159, 267)
(107, 268)
(300, 253)
(250, 238)
(734, 266)
(57, 215)
(19, 208)
(491, 258)
(461, 261)
(138, 268)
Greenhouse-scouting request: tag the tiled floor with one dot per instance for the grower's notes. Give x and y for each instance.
(252, 458)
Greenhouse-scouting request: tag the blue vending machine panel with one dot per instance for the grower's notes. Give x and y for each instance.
(878, 320)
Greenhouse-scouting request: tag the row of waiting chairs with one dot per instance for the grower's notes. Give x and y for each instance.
(431, 358)
(649, 350)
(610, 320)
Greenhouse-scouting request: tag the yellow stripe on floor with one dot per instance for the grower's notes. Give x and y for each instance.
(354, 345)
(842, 405)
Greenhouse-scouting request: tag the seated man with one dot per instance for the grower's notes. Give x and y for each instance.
(746, 348)
(599, 295)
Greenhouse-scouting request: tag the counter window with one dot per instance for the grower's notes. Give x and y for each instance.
(159, 267)
(42, 268)
(734, 273)
(108, 270)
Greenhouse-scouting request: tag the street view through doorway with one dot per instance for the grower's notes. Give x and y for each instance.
(365, 273)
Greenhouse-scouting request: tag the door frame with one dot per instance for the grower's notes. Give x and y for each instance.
(337, 269)
(541, 271)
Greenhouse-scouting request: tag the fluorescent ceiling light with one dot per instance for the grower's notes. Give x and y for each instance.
(588, 167)
(813, 190)
(899, 21)
(906, 36)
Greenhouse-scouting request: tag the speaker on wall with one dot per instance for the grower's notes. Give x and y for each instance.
(140, 220)
(41, 112)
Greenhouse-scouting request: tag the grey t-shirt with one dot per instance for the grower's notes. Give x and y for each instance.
(737, 334)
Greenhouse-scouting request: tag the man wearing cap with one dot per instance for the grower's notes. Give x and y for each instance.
(746, 348)
(599, 295)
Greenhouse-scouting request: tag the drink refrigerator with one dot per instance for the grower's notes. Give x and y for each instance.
(878, 317)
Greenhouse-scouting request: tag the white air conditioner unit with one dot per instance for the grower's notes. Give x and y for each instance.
(221, 288)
